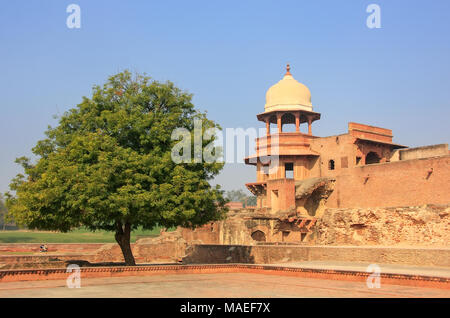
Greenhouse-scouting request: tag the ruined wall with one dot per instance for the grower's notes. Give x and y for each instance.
(246, 227)
(409, 235)
(271, 254)
(59, 248)
(207, 234)
(168, 247)
(400, 183)
(235, 231)
(427, 226)
(403, 226)
(423, 152)
(41, 261)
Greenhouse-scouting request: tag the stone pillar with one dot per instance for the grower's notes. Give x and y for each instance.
(268, 126)
(279, 123)
(297, 122)
(309, 125)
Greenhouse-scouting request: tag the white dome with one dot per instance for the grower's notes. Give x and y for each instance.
(288, 94)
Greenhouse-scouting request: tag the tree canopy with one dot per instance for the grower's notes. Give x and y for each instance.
(107, 165)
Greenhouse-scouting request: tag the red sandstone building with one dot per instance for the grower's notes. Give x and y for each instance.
(354, 188)
(360, 168)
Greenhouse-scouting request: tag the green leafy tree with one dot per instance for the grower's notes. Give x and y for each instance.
(108, 166)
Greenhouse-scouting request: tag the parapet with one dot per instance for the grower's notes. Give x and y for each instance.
(424, 152)
(367, 132)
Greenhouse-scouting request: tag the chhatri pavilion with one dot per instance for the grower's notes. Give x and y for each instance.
(288, 159)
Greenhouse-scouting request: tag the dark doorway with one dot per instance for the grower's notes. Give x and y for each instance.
(259, 236)
(372, 157)
(331, 165)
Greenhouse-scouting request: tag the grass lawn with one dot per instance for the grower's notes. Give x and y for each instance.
(76, 236)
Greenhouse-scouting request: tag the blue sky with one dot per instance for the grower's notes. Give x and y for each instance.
(228, 53)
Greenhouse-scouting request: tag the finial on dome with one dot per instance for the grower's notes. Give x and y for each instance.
(288, 68)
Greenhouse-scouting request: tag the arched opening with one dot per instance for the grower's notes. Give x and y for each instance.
(372, 157)
(259, 236)
(288, 123)
(273, 124)
(331, 165)
(303, 128)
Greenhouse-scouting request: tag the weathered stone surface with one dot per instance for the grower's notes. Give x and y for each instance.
(272, 254)
(427, 227)
(306, 187)
(400, 226)
(311, 195)
(409, 226)
(168, 247)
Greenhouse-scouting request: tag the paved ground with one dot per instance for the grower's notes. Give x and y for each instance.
(212, 285)
(362, 267)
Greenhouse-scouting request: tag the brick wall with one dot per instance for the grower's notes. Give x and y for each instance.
(400, 183)
(52, 247)
(423, 152)
(264, 254)
(207, 234)
(281, 194)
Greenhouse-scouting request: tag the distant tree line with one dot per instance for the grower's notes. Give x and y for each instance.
(5, 221)
(241, 196)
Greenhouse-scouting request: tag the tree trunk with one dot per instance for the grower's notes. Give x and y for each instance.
(122, 237)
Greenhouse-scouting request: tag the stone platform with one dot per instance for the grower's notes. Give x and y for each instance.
(443, 272)
(223, 285)
(416, 277)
